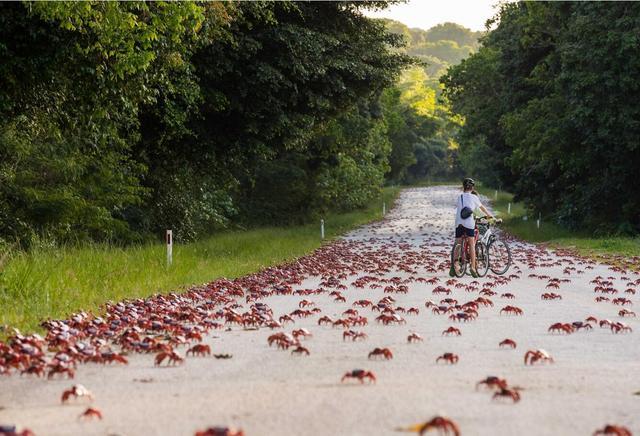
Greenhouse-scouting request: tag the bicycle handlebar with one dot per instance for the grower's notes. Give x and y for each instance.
(485, 219)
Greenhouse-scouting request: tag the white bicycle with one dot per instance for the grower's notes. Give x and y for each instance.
(499, 253)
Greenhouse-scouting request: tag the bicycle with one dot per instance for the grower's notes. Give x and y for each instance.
(460, 256)
(498, 250)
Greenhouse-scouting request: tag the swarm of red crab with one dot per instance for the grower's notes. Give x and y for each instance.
(370, 284)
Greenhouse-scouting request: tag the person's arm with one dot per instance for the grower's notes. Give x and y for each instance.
(486, 212)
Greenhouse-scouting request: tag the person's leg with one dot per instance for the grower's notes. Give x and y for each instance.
(459, 236)
(472, 252)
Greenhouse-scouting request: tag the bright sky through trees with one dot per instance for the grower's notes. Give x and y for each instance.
(427, 13)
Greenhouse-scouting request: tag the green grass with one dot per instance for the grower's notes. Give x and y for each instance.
(604, 248)
(49, 283)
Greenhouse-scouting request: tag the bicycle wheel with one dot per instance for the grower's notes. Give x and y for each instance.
(500, 256)
(482, 259)
(458, 260)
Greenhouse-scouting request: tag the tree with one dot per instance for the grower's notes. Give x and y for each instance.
(122, 119)
(560, 124)
(75, 77)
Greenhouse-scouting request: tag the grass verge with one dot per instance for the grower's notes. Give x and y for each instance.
(56, 282)
(623, 251)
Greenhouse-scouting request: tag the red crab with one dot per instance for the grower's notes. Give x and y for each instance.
(300, 350)
(512, 310)
(91, 413)
(533, 356)
(414, 337)
(173, 358)
(305, 303)
(448, 357)
(220, 431)
(463, 316)
(613, 430)
(451, 331)
(385, 352)
(550, 296)
(492, 382)
(285, 319)
(344, 323)
(561, 328)
(439, 310)
(621, 301)
(624, 312)
(110, 357)
(354, 335)
(508, 343)
(301, 332)
(579, 325)
(389, 319)
(441, 290)
(61, 369)
(352, 312)
(199, 350)
(440, 423)
(325, 320)
(618, 327)
(76, 391)
(362, 303)
(359, 374)
(513, 394)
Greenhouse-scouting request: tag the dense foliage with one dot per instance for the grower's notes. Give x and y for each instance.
(422, 128)
(121, 119)
(438, 47)
(550, 110)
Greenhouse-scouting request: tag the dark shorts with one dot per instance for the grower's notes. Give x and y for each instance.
(463, 231)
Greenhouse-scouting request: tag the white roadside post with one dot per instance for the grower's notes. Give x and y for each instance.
(538, 221)
(321, 229)
(496, 195)
(509, 209)
(169, 241)
(384, 208)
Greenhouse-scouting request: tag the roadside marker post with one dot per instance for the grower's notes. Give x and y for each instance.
(384, 208)
(496, 195)
(169, 241)
(538, 221)
(509, 209)
(321, 229)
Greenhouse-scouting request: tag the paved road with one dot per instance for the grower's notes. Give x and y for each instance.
(269, 392)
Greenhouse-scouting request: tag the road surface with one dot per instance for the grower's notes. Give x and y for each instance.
(265, 391)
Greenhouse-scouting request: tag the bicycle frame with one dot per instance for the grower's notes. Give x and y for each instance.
(465, 244)
(488, 236)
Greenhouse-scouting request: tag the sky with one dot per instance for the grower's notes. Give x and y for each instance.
(427, 13)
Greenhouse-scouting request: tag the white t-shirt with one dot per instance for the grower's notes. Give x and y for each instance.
(467, 199)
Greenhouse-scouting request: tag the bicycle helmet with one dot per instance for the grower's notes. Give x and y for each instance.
(468, 183)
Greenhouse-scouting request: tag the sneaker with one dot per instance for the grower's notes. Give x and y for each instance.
(452, 271)
(474, 273)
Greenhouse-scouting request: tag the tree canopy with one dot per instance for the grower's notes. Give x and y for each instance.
(549, 108)
(121, 119)
(423, 129)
